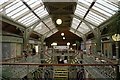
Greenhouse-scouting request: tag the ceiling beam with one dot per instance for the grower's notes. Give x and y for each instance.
(86, 14)
(6, 3)
(109, 21)
(46, 17)
(93, 10)
(11, 21)
(80, 34)
(77, 17)
(27, 12)
(49, 31)
(35, 14)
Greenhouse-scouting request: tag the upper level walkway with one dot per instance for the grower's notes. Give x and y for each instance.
(97, 67)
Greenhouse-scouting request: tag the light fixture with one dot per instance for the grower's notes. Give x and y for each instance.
(62, 34)
(116, 37)
(74, 44)
(70, 48)
(63, 37)
(68, 43)
(59, 21)
(54, 44)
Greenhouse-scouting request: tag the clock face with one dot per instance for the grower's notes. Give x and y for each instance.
(116, 37)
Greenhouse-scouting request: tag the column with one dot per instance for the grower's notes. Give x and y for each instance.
(25, 40)
(117, 50)
(110, 52)
(98, 41)
(42, 48)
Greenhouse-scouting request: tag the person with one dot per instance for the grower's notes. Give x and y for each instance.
(62, 56)
(65, 61)
(81, 54)
(81, 75)
(61, 61)
(33, 51)
(25, 54)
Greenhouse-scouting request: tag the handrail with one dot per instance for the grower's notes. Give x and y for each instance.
(4, 60)
(39, 64)
(13, 58)
(108, 60)
(47, 54)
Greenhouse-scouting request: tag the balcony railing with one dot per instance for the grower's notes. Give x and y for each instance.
(18, 70)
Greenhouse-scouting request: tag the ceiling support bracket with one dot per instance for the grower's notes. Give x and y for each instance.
(35, 14)
(26, 35)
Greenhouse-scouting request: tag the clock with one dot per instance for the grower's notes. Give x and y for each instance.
(116, 37)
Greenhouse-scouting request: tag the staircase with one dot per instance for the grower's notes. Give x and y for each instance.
(60, 72)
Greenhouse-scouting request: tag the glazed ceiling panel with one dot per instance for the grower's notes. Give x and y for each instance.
(100, 11)
(50, 34)
(41, 28)
(92, 11)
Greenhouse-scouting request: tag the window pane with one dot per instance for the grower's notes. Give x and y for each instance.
(13, 12)
(91, 21)
(112, 3)
(26, 17)
(19, 12)
(55, 30)
(34, 4)
(102, 11)
(76, 21)
(49, 23)
(38, 27)
(81, 8)
(105, 6)
(86, 2)
(74, 26)
(31, 21)
(13, 7)
(3, 1)
(12, 3)
(94, 18)
(84, 26)
(28, 20)
(43, 30)
(97, 16)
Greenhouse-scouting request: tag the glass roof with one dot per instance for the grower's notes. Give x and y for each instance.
(19, 12)
(42, 29)
(77, 33)
(97, 14)
(100, 12)
(49, 34)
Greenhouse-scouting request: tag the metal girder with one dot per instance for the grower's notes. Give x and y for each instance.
(27, 33)
(106, 6)
(33, 27)
(11, 21)
(77, 31)
(94, 11)
(102, 9)
(93, 31)
(109, 21)
(46, 17)
(49, 32)
(24, 14)
(5, 4)
(88, 24)
(86, 14)
(35, 14)
(77, 17)
(81, 34)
